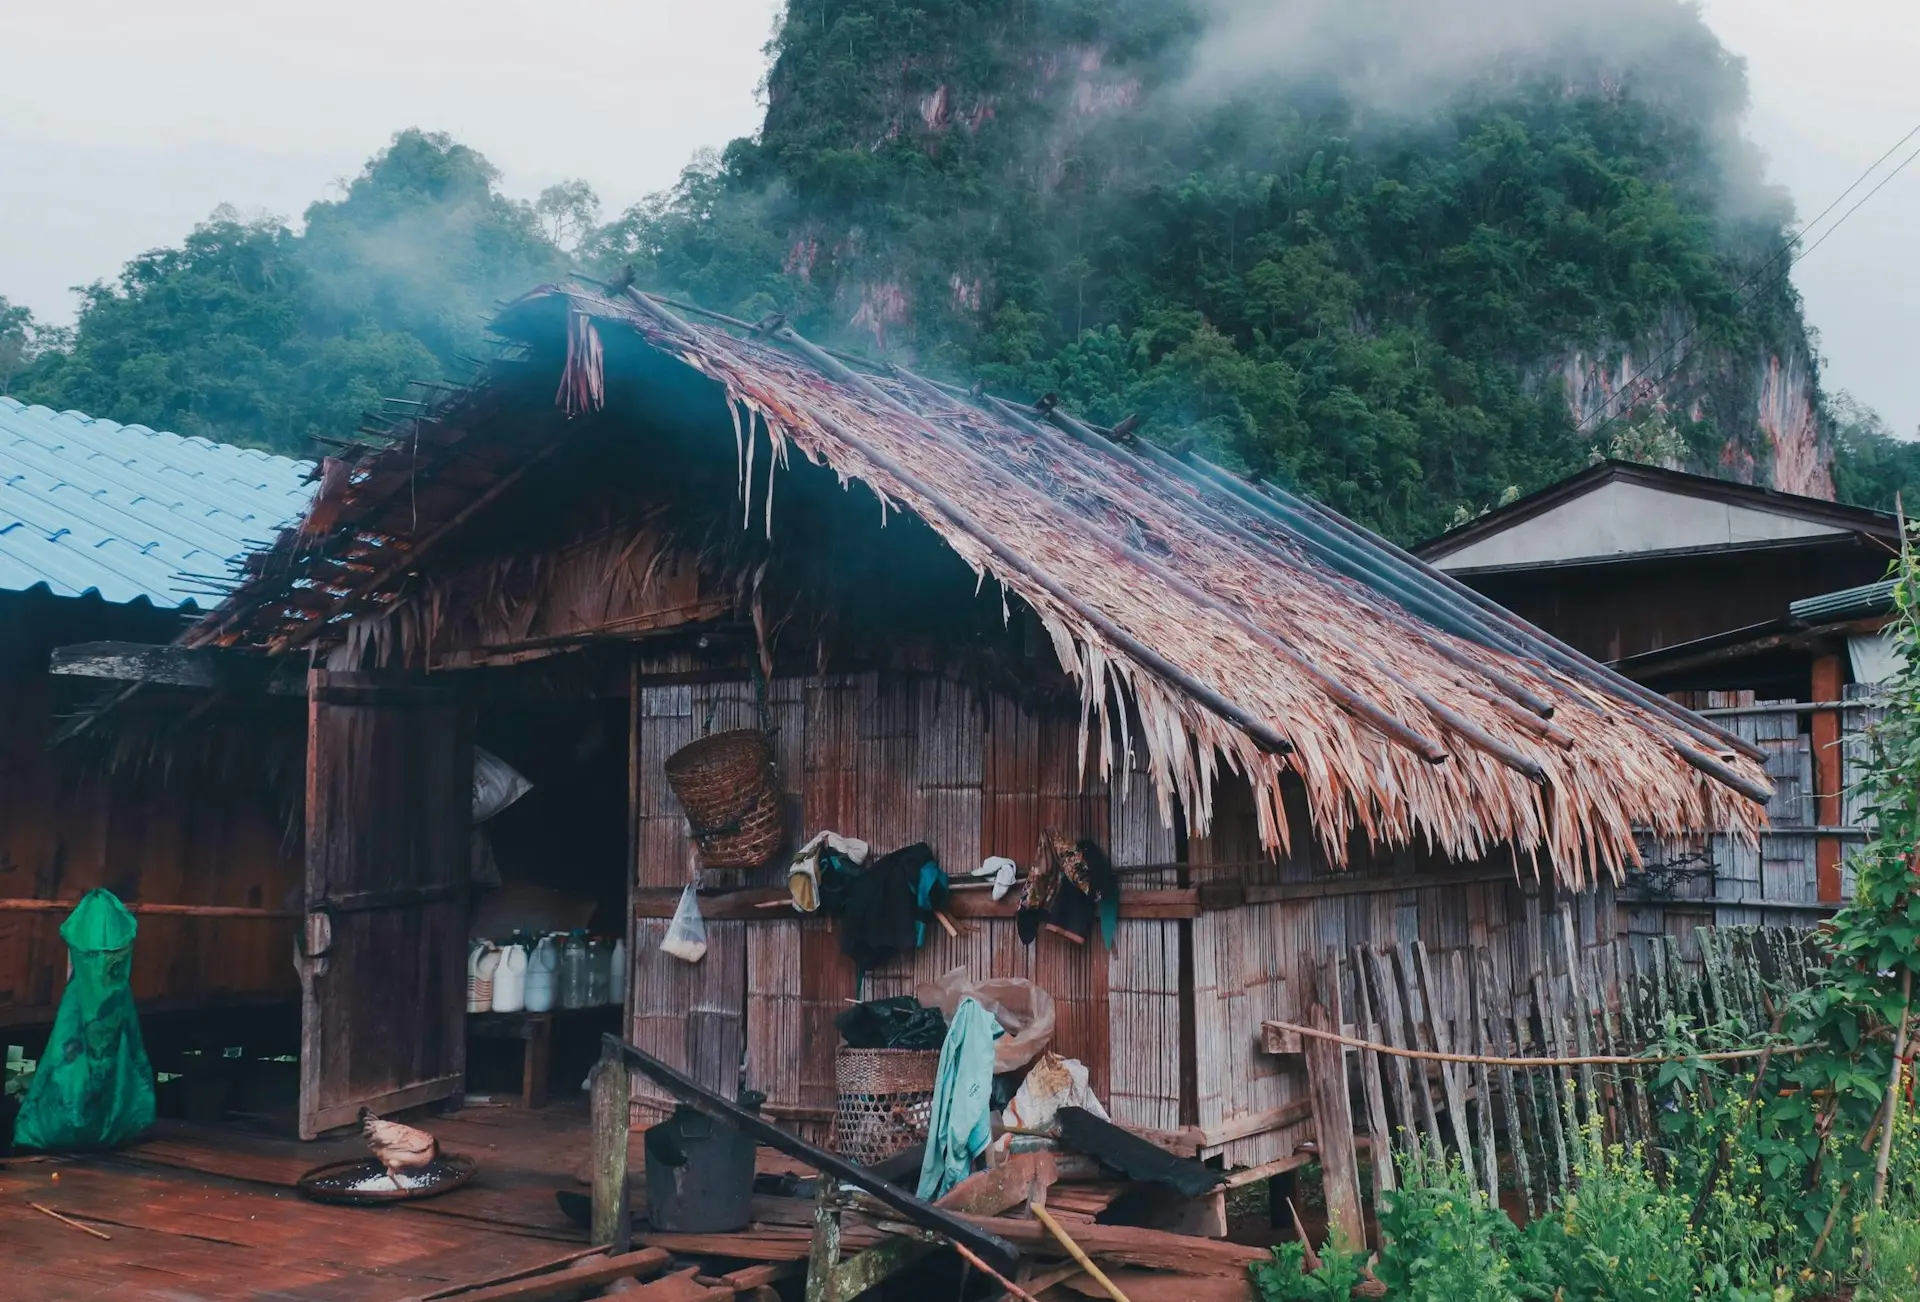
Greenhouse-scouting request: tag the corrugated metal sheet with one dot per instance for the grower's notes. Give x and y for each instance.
(89, 506)
(1848, 603)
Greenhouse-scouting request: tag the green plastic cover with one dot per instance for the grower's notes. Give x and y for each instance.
(94, 1087)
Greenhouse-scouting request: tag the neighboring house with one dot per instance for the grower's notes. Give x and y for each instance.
(1760, 608)
(963, 622)
(117, 533)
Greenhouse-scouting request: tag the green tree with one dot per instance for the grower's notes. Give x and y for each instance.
(252, 333)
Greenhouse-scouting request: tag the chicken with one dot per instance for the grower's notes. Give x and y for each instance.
(398, 1147)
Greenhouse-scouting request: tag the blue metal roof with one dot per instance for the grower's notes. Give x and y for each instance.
(88, 506)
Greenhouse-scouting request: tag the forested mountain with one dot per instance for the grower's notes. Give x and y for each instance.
(1408, 269)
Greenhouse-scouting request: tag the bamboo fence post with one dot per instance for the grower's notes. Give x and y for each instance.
(1452, 1087)
(1379, 1130)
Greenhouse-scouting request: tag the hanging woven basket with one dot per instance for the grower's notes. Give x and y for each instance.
(727, 787)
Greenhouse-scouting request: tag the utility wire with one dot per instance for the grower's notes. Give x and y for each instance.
(1646, 386)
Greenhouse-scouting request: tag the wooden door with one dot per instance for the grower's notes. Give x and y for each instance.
(383, 967)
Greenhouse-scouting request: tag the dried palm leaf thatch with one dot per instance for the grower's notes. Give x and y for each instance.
(1201, 634)
(1129, 548)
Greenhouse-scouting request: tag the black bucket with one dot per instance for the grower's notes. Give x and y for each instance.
(699, 1175)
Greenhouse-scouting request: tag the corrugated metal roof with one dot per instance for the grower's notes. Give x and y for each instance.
(1848, 603)
(89, 506)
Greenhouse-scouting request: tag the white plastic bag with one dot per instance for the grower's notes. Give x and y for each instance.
(1054, 1083)
(1023, 1009)
(687, 933)
(496, 784)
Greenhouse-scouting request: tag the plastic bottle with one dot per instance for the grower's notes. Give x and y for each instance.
(573, 972)
(617, 978)
(510, 980)
(481, 963)
(542, 967)
(598, 971)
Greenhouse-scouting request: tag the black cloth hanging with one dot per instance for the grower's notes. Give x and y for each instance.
(884, 907)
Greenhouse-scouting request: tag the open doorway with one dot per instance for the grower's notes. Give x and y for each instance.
(550, 893)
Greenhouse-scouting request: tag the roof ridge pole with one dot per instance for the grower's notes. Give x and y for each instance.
(1352, 701)
(1706, 731)
(1454, 721)
(1383, 603)
(1261, 731)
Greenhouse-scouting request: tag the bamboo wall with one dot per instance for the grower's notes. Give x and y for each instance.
(898, 759)
(62, 834)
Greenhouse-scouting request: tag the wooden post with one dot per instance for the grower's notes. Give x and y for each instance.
(612, 1126)
(1333, 1113)
(1827, 778)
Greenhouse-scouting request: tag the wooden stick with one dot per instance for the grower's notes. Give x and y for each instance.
(1577, 1060)
(1002, 1280)
(1893, 1088)
(1073, 1250)
(68, 1220)
(946, 923)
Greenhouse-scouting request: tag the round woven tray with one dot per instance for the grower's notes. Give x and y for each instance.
(726, 785)
(333, 1183)
(884, 1101)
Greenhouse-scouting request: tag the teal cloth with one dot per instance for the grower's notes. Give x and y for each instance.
(961, 1125)
(94, 1087)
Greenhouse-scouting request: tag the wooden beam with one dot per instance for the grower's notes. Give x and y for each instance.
(223, 669)
(1333, 1115)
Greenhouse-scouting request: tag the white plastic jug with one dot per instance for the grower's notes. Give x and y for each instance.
(481, 964)
(510, 981)
(541, 966)
(617, 987)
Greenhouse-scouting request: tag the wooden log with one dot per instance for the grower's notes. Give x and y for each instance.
(1333, 1115)
(612, 1129)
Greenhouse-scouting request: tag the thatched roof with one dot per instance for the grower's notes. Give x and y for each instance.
(1246, 629)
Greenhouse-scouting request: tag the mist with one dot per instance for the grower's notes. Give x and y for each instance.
(1411, 55)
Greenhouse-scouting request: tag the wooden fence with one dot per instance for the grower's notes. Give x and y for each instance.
(1512, 1108)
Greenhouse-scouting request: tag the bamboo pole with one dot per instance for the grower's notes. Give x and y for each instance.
(1893, 1088)
(1575, 1060)
(1074, 1250)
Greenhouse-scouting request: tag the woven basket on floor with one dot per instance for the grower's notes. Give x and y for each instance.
(885, 1098)
(726, 785)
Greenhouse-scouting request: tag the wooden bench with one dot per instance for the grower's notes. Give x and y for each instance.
(536, 1029)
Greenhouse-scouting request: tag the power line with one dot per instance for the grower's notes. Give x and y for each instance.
(1644, 386)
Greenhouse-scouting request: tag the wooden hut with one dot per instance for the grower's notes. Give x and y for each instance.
(962, 621)
(102, 527)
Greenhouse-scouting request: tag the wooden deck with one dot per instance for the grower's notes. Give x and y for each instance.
(201, 1212)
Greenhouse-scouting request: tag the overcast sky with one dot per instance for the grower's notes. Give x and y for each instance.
(122, 124)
